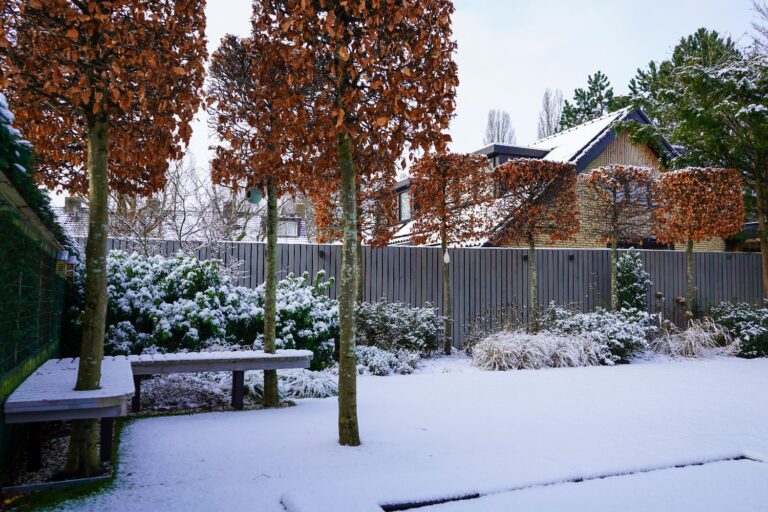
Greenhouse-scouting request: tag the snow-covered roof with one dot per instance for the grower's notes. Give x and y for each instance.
(571, 144)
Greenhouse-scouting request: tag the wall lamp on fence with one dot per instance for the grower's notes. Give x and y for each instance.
(525, 257)
(570, 257)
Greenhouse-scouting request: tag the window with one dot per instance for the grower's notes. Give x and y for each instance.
(288, 228)
(404, 206)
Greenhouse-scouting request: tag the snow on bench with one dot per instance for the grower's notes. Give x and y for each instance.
(48, 394)
(236, 361)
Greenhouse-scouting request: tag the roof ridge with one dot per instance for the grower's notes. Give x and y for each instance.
(585, 123)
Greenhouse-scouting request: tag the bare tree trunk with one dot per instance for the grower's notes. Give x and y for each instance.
(614, 273)
(271, 398)
(533, 283)
(762, 215)
(348, 429)
(447, 306)
(82, 456)
(690, 286)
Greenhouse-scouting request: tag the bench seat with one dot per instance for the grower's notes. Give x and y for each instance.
(48, 394)
(236, 362)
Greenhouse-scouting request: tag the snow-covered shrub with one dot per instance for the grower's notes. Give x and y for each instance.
(701, 338)
(748, 324)
(518, 350)
(396, 326)
(632, 281)
(377, 361)
(183, 304)
(622, 332)
(293, 384)
(306, 317)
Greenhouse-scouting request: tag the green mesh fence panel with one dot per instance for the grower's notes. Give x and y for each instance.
(31, 302)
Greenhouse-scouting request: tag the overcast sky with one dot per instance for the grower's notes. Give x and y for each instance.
(511, 50)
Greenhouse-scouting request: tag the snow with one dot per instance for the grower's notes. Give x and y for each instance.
(568, 145)
(440, 433)
(718, 486)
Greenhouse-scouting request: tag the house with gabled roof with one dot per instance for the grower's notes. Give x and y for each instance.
(588, 146)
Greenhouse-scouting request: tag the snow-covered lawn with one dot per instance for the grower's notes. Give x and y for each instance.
(454, 430)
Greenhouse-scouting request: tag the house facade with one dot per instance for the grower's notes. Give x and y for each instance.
(588, 146)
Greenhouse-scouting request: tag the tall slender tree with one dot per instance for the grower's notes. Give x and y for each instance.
(499, 129)
(453, 194)
(112, 103)
(551, 113)
(375, 76)
(248, 117)
(539, 200)
(696, 204)
(618, 202)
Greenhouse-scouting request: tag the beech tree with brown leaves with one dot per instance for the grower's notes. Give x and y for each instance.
(538, 199)
(376, 210)
(618, 202)
(106, 92)
(451, 194)
(696, 204)
(370, 76)
(247, 116)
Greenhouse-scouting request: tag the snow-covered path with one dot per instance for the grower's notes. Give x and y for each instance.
(456, 432)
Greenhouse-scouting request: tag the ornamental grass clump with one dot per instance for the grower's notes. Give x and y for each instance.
(702, 338)
(518, 350)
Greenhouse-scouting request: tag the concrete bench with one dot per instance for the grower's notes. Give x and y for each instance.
(48, 394)
(193, 362)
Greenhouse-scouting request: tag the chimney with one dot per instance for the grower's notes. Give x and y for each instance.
(71, 204)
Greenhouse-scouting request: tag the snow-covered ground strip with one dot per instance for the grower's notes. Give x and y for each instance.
(453, 431)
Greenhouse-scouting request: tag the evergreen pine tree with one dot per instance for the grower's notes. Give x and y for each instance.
(590, 103)
(633, 282)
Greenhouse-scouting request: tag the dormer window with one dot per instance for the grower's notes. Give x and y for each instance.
(404, 205)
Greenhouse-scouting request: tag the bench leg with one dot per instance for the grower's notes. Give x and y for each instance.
(33, 446)
(106, 437)
(238, 382)
(136, 400)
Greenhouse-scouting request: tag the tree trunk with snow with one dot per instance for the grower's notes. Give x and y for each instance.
(533, 283)
(82, 455)
(271, 397)
(348, 428)
(690, 285)
(447, 306)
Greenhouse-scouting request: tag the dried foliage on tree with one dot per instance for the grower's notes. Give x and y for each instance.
(697, 204)
(372, 78)
(618, 203)
(538, 200)
(451, 195)
(106, 92)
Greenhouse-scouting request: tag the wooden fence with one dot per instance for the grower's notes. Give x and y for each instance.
(489, 286)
